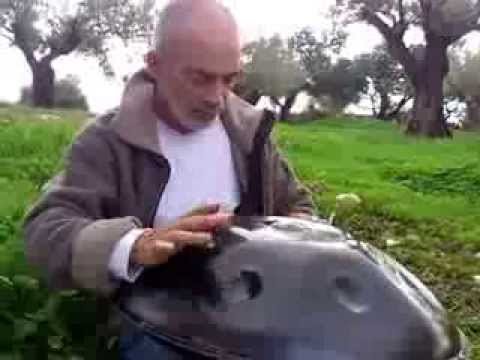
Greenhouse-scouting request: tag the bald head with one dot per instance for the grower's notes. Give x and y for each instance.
(196, 61)
(198, 19)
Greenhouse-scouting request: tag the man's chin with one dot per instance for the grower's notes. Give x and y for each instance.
(196, 123)
(204, 117)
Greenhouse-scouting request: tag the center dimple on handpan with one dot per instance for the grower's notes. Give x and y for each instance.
(350, 294)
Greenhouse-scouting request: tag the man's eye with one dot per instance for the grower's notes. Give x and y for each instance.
(230, 80)
(198, 78)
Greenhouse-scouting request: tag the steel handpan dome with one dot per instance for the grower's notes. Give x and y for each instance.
(283, 288)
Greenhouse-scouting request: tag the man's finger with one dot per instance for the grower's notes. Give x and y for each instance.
(164, 247)
(204, 210)
(154, 253)
(206, 223)
(162, 252)
(182, 238)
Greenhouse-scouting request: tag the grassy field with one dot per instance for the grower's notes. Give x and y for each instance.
(422, 194)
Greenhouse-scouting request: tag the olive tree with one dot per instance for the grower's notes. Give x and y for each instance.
(45, 30)
(442, 23)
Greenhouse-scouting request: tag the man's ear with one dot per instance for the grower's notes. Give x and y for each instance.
(152, 62)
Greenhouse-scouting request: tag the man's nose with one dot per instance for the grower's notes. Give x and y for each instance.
(214, 95)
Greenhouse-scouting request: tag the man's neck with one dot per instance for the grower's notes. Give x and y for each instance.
(162, 110)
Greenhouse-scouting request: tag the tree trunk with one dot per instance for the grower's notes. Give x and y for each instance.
(287, 106)
(472, 122)
(427, 116)
(373, 100)
(384, 106)
(43, 84)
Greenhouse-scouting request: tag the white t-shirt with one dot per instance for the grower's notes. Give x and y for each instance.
(202, 172)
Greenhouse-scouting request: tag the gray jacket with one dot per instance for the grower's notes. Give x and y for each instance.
(114, 177)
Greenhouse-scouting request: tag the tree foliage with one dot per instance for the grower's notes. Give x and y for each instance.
(316, 51)
(442, 22)
(335, 84)
(282, 69)
(463, 84)
(272, 70)
(389, 89)
(339, 85)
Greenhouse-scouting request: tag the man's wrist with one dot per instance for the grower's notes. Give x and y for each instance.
(119, 265)
(148, 234)
(150, 248)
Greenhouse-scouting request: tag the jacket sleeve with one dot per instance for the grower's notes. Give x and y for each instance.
(67, 232)
(285, 191)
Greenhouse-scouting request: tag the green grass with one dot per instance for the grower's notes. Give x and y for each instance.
(30, 152)
(423, 193)
(34, 323)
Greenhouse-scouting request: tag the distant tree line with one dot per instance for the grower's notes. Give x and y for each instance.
(281, 69)
(426, 84)
(429, 80)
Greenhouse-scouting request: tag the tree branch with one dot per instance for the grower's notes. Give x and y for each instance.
(275, 101)
(21, 40)
(401, 12)
(68, 43)
(394, 41)
(5, 36)
(399, 106)
(426, 7)
(401, 26)
(373, 101)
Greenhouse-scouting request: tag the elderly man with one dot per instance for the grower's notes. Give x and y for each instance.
(180, 140)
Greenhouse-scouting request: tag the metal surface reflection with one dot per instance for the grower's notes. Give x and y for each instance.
(282, 288)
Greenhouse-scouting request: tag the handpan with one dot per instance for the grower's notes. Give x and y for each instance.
(283, 288)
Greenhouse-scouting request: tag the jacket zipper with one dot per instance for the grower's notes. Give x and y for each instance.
(162, 161)
(254, 199)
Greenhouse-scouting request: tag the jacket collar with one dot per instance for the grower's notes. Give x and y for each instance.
(136, 123)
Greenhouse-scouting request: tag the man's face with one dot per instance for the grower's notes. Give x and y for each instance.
(194, 74)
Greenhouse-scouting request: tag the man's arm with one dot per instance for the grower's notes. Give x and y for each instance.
(70, 234)
(67, 233)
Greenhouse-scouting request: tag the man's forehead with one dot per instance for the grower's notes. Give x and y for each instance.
(207, 33)
(234, 71)
(203, 23)
(204, 47)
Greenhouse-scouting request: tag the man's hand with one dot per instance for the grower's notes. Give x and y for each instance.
(207, 209)
(302, 216)
(157, 246)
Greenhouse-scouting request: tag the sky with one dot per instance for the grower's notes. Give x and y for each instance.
(256, 18)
